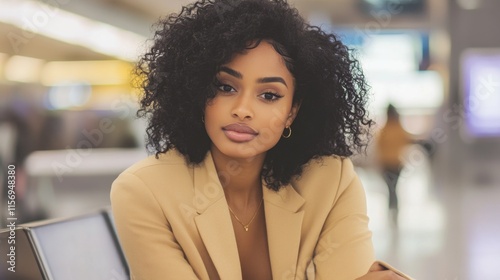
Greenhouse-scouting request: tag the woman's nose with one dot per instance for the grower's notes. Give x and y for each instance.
(242, 108)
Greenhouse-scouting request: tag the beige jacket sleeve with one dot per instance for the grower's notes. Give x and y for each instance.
(345, 240)
(145, 233)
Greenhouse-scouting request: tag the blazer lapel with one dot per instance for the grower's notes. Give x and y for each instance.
(214, 221)
(284, 225)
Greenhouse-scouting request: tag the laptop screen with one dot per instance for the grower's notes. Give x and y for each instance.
(82, 248)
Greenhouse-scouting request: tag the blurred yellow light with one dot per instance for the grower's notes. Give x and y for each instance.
(105, 72)
(23, 69)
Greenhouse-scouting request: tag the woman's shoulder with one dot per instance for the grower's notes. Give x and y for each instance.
(328, 173)
(172, 159)
(328, 166)
(167, 181)
(163, 174)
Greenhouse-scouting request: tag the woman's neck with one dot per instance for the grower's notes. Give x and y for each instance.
(240, 178)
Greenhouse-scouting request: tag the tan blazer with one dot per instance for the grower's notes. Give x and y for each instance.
(173, 222)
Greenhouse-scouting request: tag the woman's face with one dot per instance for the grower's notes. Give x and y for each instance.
(253, 104)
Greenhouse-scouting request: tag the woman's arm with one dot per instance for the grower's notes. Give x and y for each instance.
(344, 249)
(146, 237)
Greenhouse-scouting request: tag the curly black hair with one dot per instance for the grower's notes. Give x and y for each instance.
(178, 76)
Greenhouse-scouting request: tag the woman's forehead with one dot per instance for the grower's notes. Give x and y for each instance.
(263, 58)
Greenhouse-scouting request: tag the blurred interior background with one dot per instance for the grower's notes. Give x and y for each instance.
(67, 115)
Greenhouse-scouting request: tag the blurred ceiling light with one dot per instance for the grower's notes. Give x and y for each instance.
(68, 95)
(35, 17)
(106, 72)
(23, 69)
(389, 53)
(418, 90)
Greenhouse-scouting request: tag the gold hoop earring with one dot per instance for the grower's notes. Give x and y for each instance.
(288, 134)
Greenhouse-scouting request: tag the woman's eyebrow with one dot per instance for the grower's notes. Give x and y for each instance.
(264, 80)
(231, 72)
(272, 80)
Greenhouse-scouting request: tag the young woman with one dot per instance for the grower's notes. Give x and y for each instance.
(252, 116)
(392, 140)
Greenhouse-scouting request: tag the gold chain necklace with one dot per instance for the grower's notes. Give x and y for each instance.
(251, 220)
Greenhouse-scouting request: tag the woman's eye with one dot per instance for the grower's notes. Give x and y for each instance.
(270, 96)
(226, 88)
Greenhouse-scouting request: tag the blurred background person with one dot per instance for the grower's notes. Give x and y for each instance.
(390, 146)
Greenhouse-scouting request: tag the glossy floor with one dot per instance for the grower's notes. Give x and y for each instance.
(443, 231)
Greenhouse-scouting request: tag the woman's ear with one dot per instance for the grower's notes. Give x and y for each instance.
(293, 113)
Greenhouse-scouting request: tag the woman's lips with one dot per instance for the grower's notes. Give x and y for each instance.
(239, 132)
